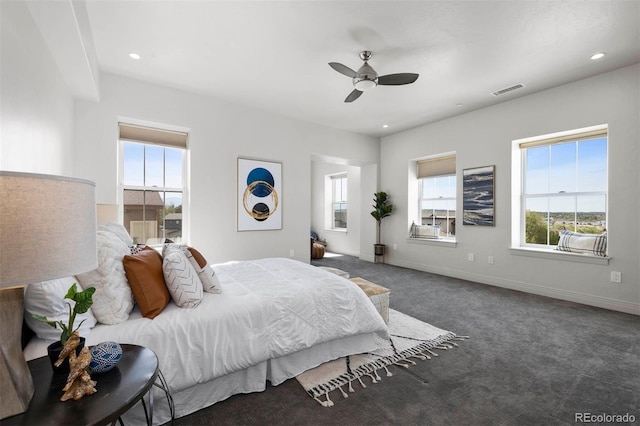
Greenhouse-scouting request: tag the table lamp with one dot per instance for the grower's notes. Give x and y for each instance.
(47, 231)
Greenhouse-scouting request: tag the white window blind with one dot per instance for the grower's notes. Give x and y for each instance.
(170, 138)
(572, 137)
(440, 166)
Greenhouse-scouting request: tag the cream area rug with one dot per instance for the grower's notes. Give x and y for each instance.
(410, 340)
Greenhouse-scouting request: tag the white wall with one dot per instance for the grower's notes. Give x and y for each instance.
(219, 133)
(338, 241)
(483, 138)
(40, 133)
(37, 108)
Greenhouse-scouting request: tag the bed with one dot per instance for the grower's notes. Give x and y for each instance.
(274, 319)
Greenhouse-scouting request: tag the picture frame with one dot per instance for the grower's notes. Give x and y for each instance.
(259, 189)
(478, 196)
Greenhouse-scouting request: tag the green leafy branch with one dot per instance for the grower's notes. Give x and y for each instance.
(83, 301)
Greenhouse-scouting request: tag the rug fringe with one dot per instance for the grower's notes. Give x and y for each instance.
(423, 352)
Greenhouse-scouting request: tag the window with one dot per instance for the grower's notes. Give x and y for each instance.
(437, 195)
(153, 182)
(564, 186)
(339, 201)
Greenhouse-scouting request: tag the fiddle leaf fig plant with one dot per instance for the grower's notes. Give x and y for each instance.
(382, 209)
(83, 301)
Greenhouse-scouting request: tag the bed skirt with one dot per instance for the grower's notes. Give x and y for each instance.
(252, 379)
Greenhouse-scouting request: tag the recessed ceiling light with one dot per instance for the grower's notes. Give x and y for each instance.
(384, 126)
(598, 55)
(134, 55)
(459, 105)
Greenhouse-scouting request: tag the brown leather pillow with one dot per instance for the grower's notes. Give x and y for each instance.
(199, 258)
(144, 273)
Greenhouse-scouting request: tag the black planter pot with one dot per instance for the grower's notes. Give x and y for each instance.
(54, 350)
(378, 249)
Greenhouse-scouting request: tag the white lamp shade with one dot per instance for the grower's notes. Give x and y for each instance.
(47, 227)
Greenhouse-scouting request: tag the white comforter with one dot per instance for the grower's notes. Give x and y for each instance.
(268, 308)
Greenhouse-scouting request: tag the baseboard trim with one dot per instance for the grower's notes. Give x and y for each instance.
(368, 258)
(571, 296)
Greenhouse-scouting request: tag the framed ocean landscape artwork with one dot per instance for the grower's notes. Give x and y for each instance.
(478, 188)
(259, 195)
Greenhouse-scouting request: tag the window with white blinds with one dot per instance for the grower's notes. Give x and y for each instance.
(153, 182)
(564, 186)
(437, 194)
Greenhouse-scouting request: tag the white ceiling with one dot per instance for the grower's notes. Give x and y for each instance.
(274, 55)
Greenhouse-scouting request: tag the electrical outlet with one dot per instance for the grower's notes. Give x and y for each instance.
(395, 246)
(490, 260)
(471, 257)
(616, 277)
(292, 253)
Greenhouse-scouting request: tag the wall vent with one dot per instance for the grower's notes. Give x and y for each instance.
(508, 89)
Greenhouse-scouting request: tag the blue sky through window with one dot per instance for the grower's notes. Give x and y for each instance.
(567, 168)
(147, 165)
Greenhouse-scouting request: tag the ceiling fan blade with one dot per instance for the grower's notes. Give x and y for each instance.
(397, 79)
(353, 95)
(342, 69)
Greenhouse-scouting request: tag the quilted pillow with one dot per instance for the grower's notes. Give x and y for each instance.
(181, 279)
(205, 272)
(576, 242)
(144, 272)
(118, 230)
(113, 300)
(47, 298)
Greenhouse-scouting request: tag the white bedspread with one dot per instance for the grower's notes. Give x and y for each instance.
(268, 308)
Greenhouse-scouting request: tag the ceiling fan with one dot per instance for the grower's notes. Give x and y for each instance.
(367, 78)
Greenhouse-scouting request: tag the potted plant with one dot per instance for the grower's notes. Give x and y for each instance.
(382, 209)
(83, 301)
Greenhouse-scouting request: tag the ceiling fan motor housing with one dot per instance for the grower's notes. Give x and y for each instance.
(365, 78)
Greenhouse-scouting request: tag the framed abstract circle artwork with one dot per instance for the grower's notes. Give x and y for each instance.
(259, 195)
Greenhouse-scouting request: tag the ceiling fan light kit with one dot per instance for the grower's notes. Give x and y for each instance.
(366, 77)
(364, 84)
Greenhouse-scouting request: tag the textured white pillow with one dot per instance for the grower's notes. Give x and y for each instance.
(47, 298)
(113, 299)
(205, 272)
(118, 230)
(180, 277)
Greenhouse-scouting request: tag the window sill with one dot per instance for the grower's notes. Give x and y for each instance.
(339, 230)
(433, 242)
(559, 255)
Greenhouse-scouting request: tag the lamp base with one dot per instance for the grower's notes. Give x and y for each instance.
(15, 378)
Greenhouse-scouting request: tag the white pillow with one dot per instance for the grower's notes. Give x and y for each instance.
(425, 231)
(180, 277)
(113, 299)
(47, 298)
(576, 242)
(118, 230)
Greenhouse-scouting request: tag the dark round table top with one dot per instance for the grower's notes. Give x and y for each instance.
(117, 391)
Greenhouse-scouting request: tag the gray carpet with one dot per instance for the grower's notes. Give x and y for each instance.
(531, 360)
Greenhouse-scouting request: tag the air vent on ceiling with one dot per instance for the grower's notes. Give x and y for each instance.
(508, 89)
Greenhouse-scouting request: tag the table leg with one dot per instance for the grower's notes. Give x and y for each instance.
(150, 407)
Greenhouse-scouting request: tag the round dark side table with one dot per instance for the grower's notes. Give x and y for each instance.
(117, 391)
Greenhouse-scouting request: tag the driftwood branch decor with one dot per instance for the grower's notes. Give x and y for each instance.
(79, 381)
